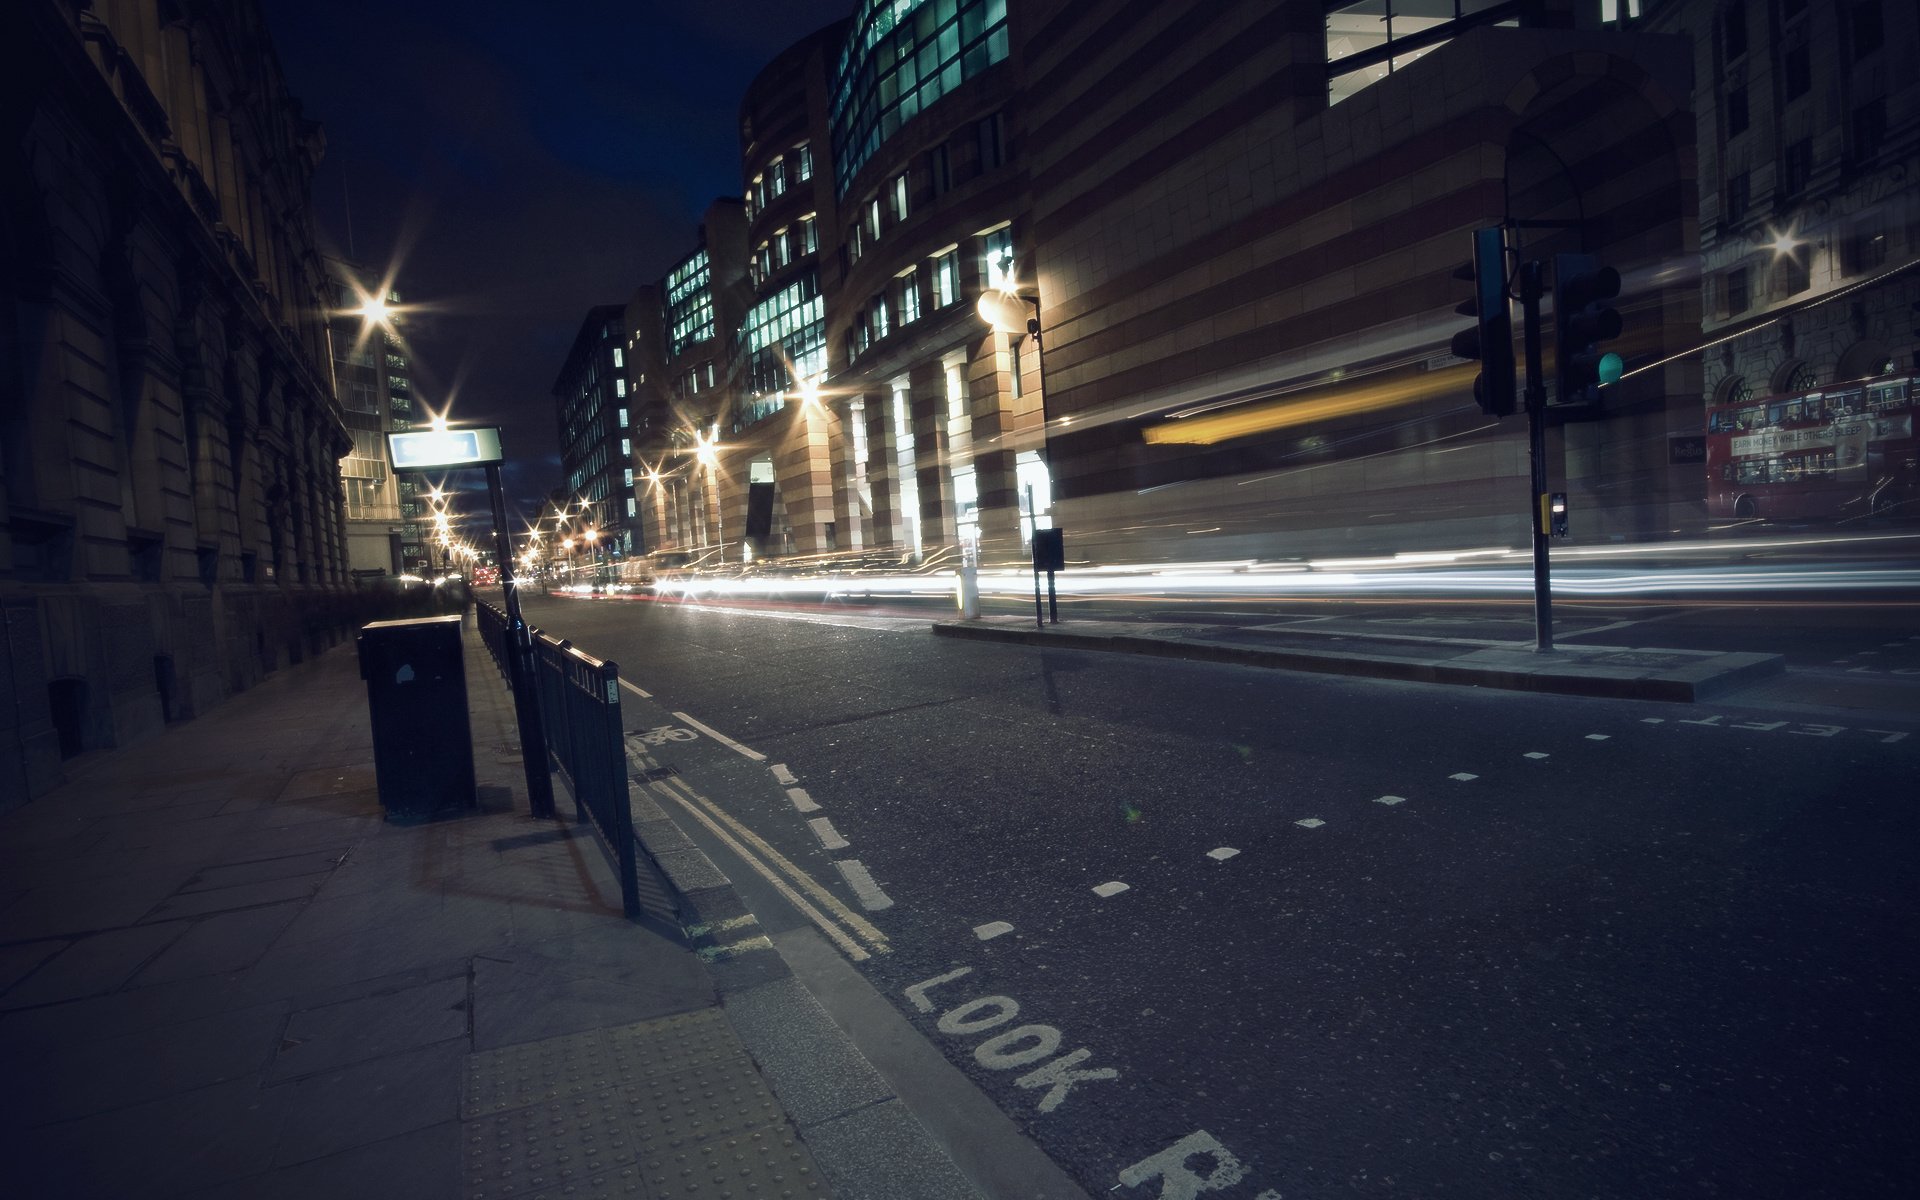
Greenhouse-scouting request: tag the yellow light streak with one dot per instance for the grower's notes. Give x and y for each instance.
(1325, 405)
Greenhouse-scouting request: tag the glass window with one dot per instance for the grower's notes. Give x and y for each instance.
(901, 57)
(873, 218)
(809, 235)
(619, 387)
(623, 418)
(689, 304)
(1737, 119)
(900, 197)
(878, 312)
(946, 278)
(803, 160)
(626, 448)
(1733, 29)
(940, 169)
(1867, 29)
(780, 256)
(853, 243)
(1739, 195)
(1796, 166)
(996, 259)
(910, 296)
(777, 176)
(1799, 70)
(618, 359)
(1737, 298)
(993, 149)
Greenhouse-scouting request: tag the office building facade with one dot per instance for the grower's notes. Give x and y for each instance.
(171, 517)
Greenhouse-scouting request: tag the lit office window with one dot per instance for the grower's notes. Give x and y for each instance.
(1362, 36)
(623, 418)
(803, 160)
(777, 176)
(900, 58)
(809, 235)
(618, 359)
(879, 315)
(996, 260)
(899, 198)
(946, 277)
(620, 387)
(910, 296)
(626, 448)
(873, 218)
(780, 256)
(689, 303)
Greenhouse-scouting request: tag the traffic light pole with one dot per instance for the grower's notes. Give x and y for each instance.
(520, 666)
(1536, 400)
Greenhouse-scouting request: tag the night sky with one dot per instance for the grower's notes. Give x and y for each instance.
(519, 163)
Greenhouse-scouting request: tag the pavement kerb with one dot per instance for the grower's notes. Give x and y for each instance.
(765, 1002)
(1713, 674)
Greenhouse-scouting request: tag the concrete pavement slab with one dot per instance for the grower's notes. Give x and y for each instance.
(330, 1036)
(336, 1110)
(220, 944)
(164, 1147)
(90, 965)
(62, 1081)
(421, 1165)
(881, 1153)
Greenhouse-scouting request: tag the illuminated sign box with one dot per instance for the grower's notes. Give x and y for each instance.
(439, 449)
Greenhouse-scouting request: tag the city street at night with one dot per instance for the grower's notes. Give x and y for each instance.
(959, 599)
(1372, 938)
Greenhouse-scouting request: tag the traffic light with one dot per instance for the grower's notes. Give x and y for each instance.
(1582, 319)
(1491, 338)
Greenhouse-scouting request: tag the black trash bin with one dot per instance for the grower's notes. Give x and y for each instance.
(417, 691)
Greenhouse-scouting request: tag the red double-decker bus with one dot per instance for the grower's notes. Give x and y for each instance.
(1841, 452)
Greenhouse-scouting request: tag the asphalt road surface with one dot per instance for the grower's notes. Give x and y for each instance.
(1215, 929)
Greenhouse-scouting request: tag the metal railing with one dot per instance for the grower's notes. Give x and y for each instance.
(492, 624)
(579, 698)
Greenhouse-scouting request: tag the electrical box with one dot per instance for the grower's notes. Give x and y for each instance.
(1049, 550)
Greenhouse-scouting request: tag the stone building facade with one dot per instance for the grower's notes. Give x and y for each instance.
(1809, 133)
(171, 524)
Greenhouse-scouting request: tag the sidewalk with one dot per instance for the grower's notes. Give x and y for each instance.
(1568, 669)
(223, 974)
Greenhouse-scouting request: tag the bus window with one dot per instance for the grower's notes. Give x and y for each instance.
(1717, 423)
(1796, 410)
(1753, 418)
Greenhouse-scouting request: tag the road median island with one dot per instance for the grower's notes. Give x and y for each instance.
(1597, 671)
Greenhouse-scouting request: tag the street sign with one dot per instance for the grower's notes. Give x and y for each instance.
(439, 449)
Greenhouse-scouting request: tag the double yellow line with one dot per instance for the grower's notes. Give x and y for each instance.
(858, 938)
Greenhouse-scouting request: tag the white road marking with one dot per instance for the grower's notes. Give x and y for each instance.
(1464, 776)
(1222, 854)
(852, 949)
(1598, 737)
(1111, 888)
(991, 930)
(1310, 823)
(1653, 720)
(801, 800)
(636, 691)
(855, 873)
(782, 776)
(917, 993)
(1389, 800)
(722, 738)
(829, 836)
(807, 883)
(1535, 754)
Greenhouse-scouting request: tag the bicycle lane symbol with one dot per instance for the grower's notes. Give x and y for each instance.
(660, 735)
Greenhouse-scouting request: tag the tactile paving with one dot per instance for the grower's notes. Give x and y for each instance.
(498, 1080)
(670, 1107)
(761, 1162)
(547, 1147)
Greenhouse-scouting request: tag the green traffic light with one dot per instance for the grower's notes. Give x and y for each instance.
(1611, 367)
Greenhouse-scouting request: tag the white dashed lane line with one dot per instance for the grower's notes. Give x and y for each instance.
(991, 930)
(829, 836)
(1310, 823)
(1222, 854)
(802, 801)
(1389, 801)
(1111, 888)
(1536, 754)
(1464, 776)
(861, 881)
(782, 776)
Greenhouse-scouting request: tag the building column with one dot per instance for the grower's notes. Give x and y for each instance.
(804, 473)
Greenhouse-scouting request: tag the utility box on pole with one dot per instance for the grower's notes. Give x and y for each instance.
(417, 692)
